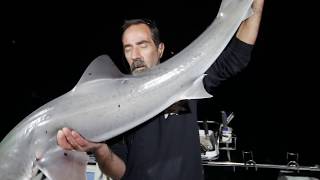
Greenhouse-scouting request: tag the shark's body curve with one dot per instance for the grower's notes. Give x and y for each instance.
(106, 103)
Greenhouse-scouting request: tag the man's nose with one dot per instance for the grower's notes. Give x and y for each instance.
(136, 54)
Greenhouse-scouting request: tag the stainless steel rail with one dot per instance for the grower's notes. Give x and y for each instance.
(272, 166)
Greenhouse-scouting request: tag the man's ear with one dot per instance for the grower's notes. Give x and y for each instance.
(161, 49)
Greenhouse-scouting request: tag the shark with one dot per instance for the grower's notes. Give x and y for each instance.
(105, 103)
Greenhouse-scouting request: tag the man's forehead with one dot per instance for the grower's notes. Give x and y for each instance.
(137, 32)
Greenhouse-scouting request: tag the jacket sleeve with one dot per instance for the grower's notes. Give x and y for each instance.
(231, 61)
(119, 146)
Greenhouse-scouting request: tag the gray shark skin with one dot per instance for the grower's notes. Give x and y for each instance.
(106, 103)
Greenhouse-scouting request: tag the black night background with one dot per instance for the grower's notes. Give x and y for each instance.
(46, 48)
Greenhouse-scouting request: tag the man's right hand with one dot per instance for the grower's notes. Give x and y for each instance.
(109, 163)
(71, 140)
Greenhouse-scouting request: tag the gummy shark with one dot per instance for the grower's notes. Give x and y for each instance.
(106, 103)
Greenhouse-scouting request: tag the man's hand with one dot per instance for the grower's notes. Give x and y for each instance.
(109, 163)
(257, 6)
(71, 140)
(248, 30)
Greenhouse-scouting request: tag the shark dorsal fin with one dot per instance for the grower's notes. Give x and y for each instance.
(100, 68)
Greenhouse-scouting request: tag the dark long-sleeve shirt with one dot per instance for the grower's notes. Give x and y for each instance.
(168, 147)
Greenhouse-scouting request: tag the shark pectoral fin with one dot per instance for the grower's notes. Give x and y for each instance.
(196, 90)
(62, 165)
(101, 67)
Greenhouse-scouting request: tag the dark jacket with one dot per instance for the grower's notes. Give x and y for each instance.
(168, 147)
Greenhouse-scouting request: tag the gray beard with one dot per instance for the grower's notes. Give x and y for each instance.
(138, 71)
(138, 66)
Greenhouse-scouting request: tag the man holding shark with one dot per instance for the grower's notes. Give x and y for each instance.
(167, 146)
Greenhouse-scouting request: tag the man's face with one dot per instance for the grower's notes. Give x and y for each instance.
(140, 49)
